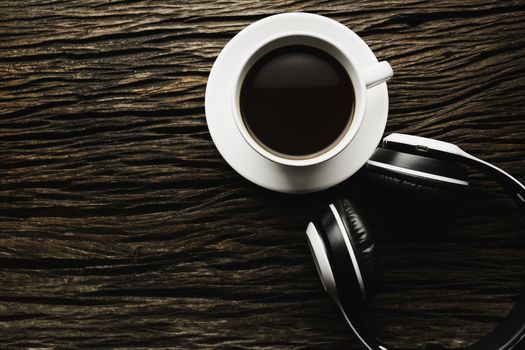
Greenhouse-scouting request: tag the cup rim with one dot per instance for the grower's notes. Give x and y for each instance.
(355, 123)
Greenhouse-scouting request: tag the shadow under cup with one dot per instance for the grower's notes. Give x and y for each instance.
(296, 98)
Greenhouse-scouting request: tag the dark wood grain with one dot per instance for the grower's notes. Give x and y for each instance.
(121, 225)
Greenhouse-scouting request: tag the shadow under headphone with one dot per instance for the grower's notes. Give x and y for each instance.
(344, 252)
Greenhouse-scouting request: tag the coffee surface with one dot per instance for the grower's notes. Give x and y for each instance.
(297, 101)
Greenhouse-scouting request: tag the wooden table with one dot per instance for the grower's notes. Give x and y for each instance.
(121, 225)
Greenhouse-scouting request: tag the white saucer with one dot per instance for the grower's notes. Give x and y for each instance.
(242, 157)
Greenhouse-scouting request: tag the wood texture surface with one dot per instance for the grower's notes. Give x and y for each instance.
(121, 225)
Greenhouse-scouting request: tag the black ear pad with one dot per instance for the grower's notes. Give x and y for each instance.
(352, 252)
(416, 174)
(364, 246)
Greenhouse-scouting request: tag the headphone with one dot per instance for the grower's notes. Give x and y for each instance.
(344, 251)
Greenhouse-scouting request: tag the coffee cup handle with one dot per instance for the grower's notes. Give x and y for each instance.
(377, 74)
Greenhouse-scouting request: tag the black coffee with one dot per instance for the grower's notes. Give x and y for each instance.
(297, 101)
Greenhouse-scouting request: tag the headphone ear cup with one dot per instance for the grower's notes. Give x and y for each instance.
(395, 183)
(354, 258)
(417, 175)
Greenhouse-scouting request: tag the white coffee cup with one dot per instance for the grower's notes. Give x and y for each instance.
(362, 80)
